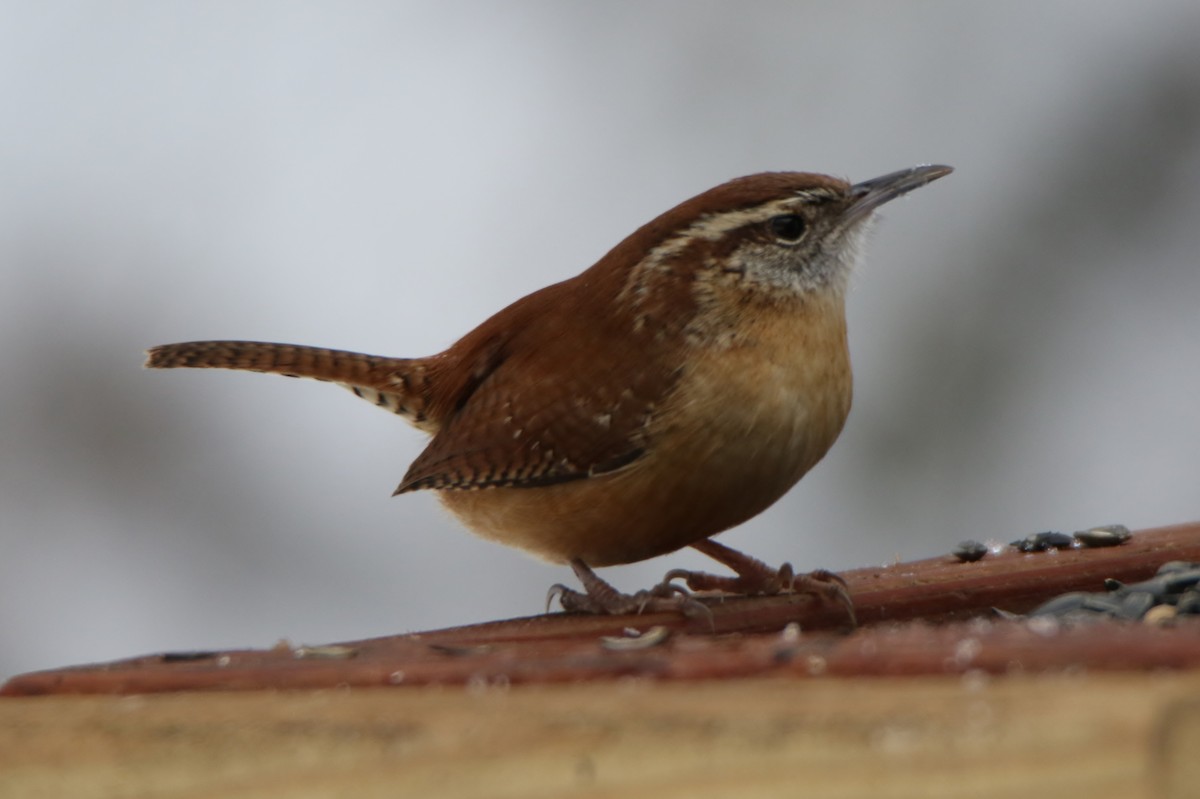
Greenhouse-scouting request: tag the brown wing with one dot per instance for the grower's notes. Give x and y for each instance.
(557, 403)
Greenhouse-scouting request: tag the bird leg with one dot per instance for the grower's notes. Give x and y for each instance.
(756, 577)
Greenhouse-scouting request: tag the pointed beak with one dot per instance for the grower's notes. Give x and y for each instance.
(870, 194)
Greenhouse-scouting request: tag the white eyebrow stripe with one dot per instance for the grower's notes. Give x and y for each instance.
(714, 226)
(711, 227)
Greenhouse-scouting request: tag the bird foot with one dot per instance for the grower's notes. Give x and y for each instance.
(600, 598)
(757, 578)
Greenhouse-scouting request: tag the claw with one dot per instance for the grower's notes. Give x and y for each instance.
(828, 587)
(756, 577)
(787, 578)
(753, 577)
(824, 575)
(694, 609)
(601, 598)
(557, 590)
(675, 574)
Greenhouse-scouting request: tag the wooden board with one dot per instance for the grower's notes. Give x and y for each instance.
(926, 617)
(933, 697)
(1113, 735)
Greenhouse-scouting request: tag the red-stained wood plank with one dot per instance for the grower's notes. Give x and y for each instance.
(932, 616)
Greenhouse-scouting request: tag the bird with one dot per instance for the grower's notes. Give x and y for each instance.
(676, 388)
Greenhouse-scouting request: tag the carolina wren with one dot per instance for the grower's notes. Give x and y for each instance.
(678, 387)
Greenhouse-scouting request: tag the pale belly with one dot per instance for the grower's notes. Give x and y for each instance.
(726, 454)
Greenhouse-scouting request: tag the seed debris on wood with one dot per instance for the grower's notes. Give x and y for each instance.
(633, 640)
(969, 551)
(1109, 535)
(1042, 542)
(1176, 585)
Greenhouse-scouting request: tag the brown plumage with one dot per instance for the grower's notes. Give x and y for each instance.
(676, 388)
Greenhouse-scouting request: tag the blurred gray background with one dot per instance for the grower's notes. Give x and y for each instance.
(383, 176)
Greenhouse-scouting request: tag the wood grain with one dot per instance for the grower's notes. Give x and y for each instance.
(930, 617)
(1113, 735)
(929, 699)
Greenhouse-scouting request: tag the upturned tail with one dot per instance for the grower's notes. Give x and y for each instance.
(399, 385)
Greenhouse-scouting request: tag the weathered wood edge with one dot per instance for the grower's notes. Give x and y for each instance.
(933, 616)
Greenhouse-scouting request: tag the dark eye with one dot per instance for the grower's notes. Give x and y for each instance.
(787, 228)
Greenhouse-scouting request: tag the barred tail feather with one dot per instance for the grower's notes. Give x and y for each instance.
(395, 384)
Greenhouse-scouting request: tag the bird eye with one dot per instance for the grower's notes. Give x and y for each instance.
(787, 228)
